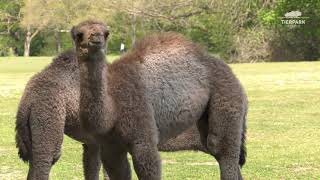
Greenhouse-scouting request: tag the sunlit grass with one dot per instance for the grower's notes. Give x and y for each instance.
(283, 125)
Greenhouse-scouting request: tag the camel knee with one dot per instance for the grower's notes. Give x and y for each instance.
(213, 144)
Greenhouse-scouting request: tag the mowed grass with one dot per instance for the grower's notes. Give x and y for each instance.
(283, 125)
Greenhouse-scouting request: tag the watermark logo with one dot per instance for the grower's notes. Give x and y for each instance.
(293, 18)
(293, 14)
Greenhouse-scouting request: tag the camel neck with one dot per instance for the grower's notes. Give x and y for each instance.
(94, 99)
(93, 74)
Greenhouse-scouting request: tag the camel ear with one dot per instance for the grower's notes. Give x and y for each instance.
(73, 33)
(106, 35)
(107, 32)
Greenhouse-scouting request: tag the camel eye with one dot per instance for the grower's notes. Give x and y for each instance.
(79, 35)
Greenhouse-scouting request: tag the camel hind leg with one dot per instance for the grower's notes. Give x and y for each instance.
(47, 130)
(43, 158)
(225, 122)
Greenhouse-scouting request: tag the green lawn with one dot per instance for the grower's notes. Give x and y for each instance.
(283, 125)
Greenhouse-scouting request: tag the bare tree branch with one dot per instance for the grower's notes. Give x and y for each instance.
(35, 33)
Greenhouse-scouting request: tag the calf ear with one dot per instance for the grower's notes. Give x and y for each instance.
(106, 34)
(73, 33)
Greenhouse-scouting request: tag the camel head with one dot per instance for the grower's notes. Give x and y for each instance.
(90, 36)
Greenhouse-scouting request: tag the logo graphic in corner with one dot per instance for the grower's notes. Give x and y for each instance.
(293, 14)
(293, 18)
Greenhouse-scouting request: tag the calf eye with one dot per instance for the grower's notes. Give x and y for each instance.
(79, 35)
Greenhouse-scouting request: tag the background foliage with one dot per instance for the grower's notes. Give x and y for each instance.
(235, 30)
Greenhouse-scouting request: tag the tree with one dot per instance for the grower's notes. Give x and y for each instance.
(294, 42)
(57, 16)
(33, 25)
(154, 14)
(10, 32)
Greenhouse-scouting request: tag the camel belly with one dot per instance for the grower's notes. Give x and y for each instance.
(176, 109)
(75, 132)
(177, 88)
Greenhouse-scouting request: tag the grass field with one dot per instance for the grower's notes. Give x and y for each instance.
(283, 125)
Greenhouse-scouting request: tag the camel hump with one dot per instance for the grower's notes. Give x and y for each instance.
(156, 42)
(162, 40)
(159, 43)
(66, 56)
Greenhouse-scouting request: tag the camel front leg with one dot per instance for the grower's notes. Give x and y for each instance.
(146, 159)
(92, 162)
(115, 161)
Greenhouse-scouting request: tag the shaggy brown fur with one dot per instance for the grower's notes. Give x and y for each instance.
(49, 107)
(47, 110)
(159, 89)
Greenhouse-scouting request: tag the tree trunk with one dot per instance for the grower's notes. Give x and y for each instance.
(27, 43)
(133, 38)
(133, 25)
(57, 41)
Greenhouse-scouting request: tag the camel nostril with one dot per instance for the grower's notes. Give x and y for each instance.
(96, 40)
(96, 34)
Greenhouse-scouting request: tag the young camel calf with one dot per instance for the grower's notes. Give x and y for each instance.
(163, 86)
(49, 108)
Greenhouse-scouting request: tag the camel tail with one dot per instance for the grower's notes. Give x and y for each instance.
(23, 134)
(243, 149)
